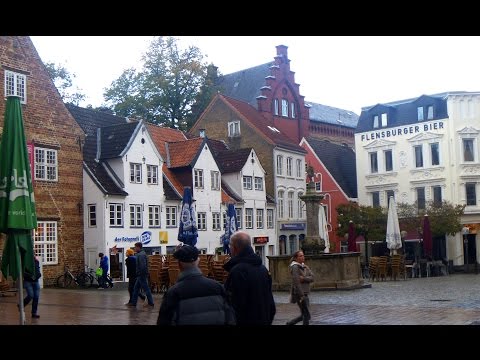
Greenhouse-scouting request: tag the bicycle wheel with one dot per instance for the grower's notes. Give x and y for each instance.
(64, 281)
(84, 280)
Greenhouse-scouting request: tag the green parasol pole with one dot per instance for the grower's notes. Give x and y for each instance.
(20, 287)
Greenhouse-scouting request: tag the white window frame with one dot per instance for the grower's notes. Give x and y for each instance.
(420, 113)
(247, 182)
(92, 215)
(300, 206)
(249, 218)
(424, 197)
(474, 143)
(433, 193)
(475, 190)
(215, 180)
(198, 178)
(280, 204)
(135, 173)
(370, 158)
(289, 166)
(258, 183)
(431, 154)
(233, 128)
(292, 110)
(285, 107)
(238, 212)
(318, 186)
(136, 215)
(45, 242)
(216, 221)
(259, 218)
(430, 115)
(117, 214)
(299, 168)
(385, 159)
(270, 219)
(375, 193)
(46, 164)
(15, 84)
(202, 221)
(152, 174)
(415, 156)
(279, 164)
(171, 216)
(290, 198)
(154, 216)
(384, 118)
(376, 121)
(275, 107)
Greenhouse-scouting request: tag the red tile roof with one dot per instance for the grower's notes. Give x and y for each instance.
(160, 135)
(182, 153)
(226, 199)
(173, 179)
(264, 126)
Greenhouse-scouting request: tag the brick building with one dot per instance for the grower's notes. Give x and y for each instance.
(56, 141)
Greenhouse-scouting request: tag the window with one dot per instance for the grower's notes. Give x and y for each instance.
(373, 163)
(136, 173)
(258, 183)
(292, 244)
(292, 110)
(224, 218)
(468, 154)
(15, 84)
(202, 221)
(198, 178)
(247, 182)
(375, 199)
(279, 165)
(300, 204)
(152, 174)
(135, 215)
(389, 193)
(418, 156)
(281, 194)
(216, 221)
(92, 215)
(375, 121)
(234, 128)
(471, 193)
(290, 204)
(270, 218)
(45, 242)
(284, 107)
(420, 113)
(275, 107)
(215, 179)
(435, 154)
(437, 194)
(289, 166)
(154, 215)
(248, 218)
(421, 198)
(384, 120)
(239, 217)
(259, 218)
(171, 214)
(299, 168)
(46, 165)
(388, 160)
(325, 209)
(430, 112)
(116, 215)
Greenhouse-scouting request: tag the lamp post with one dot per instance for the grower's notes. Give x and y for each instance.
(465, 232)
(365, 233)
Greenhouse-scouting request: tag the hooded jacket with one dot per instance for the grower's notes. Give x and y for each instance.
(249, 287)
(300, 287)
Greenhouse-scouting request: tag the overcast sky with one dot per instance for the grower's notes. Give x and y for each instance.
(344, 72)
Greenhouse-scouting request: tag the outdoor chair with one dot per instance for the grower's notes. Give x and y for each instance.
(372, 267)
(382, 268)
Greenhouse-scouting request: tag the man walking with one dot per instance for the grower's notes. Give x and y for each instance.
(142, 277)
(103, 280)
(249, 285)
(194, 299)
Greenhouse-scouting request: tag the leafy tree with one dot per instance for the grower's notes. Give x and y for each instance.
(63, 80)
(164, 91)
(368, 220)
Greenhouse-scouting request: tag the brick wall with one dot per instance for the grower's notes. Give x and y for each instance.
(48, 123)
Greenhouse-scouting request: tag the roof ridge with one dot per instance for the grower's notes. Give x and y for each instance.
(252, 67)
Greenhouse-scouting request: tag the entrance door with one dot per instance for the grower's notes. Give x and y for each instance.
(259, 250)
(92, 258)
(470, 250)
(116, 264)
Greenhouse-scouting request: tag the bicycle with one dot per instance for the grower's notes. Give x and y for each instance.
(92, 276)
(65, 280)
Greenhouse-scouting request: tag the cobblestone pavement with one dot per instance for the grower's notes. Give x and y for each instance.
(453, 300)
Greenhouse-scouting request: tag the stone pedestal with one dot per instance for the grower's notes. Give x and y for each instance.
(338, 271)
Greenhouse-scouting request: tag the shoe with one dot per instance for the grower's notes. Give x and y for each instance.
(35, 316)
(132, 305)
(111, 285)
(128, 303)
(147, 304)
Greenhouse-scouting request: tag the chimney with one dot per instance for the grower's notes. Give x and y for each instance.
(282, 50)
(202, 133)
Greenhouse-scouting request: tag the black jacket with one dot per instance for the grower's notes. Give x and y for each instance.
(32, 278)
(131, 263)
(249, 287)
(195, 300)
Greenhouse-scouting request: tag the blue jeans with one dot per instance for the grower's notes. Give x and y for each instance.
(33, 292)
(141, 283)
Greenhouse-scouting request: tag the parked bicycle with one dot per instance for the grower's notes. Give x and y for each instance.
(93, 278)
(68, 278)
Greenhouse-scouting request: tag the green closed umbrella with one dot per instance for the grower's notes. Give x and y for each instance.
(17, 203)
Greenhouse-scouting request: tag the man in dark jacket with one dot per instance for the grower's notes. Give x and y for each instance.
(142, 277)
(249, 285)
(194, 299)
(30, 283)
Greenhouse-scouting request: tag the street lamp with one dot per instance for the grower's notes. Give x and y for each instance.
(465, 232)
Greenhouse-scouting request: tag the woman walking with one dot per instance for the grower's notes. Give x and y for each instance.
(302, 276)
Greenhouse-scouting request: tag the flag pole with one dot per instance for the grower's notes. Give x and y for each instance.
(20, 288)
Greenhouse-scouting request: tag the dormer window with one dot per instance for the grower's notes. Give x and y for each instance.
(384, 120)
(15, 84)
(234, 128)
(284, 107)
(375, 121)
(425, 110)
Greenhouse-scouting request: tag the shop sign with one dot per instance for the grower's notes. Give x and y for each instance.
(260, 239)
(293, 226)
(144, 238)
(163, 237)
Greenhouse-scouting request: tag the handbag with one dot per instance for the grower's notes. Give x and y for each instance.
(99, 271)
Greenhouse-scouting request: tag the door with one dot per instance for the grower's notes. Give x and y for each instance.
(471, 250)
(92, 258)
(259, 250)
(116, 264)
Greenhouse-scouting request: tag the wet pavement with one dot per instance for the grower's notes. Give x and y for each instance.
(448, 300)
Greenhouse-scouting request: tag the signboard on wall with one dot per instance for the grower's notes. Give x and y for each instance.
(163, 237)
(31, 158)
(293, 226)
(260, 239)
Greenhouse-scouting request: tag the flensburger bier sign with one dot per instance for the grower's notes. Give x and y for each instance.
(403, 130)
